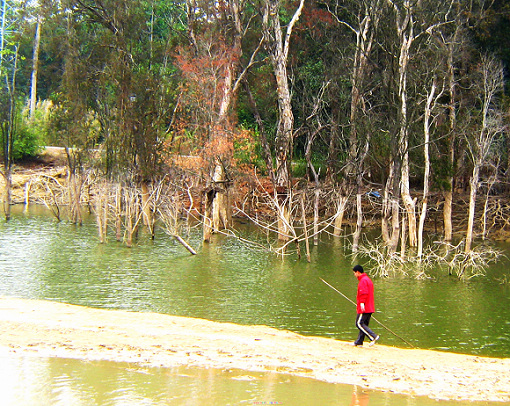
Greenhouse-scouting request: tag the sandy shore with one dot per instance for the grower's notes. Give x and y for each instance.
(61, 330)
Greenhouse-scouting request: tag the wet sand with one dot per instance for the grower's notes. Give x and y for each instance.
(52, 329)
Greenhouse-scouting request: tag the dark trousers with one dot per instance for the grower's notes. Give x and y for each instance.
(362, 321)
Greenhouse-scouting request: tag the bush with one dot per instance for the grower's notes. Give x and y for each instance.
(26, 144)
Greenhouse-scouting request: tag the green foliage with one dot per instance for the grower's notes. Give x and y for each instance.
(298, 168)
(441, 173)
(27, 137)
(26, 143)
(98, 63)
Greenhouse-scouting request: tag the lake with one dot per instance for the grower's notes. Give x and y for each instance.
(231, 281)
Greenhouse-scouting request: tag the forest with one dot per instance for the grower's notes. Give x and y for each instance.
(304, 117)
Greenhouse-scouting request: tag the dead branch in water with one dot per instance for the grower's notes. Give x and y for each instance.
(169, 210)
(441, 254)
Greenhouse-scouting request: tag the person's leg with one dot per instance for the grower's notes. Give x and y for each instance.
(361, 335)
(362, 324)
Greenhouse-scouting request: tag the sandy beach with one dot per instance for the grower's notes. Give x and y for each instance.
(52, 329)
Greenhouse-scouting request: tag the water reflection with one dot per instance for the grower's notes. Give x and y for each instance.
(360, 397)
(32, 381)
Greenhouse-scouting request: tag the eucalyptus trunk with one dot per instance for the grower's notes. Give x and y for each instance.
(426, 157)
(405, 31)
(473, 189)
(278, 46)
(35, 67)
(452, 112)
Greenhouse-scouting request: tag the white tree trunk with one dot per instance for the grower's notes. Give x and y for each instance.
(316, 217)
(35, 67)
(426, 158)
(359, 223)
(278, 47)
(473, 189)
(339, 218)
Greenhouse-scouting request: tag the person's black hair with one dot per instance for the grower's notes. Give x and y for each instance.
(358, 268)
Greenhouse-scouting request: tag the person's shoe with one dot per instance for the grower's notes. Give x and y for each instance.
(357, 345)
(371, 343)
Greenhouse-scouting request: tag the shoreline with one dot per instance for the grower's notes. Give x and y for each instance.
(54, 329)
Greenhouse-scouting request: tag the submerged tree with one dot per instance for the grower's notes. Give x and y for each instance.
(487, 124)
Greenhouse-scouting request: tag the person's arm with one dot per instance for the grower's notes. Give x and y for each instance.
(363, 295)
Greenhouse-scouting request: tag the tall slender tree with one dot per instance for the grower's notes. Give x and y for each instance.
(366, 16)
(277, 43)
(488, 125)
(10, 32)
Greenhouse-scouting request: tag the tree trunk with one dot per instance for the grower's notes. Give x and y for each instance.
(386, 208)
(35, 67)
(391, 208)
(316, 217)
(447, 215)
(395, 225)
(359, 223)
(448, 194)
(217, 212)
(222, 212)
(74, 187)
(147, 216)
(132, 214)
(7, 200)
(305, 230)
(283, 140)
(278, 48)
(208, 206)
(118, 212)
(491, 75)
(339, 217)
(473, 189)
(101, 209)
(409, 202)
(403, 238)
(426, 175)
(405, 31)
(8, 130)
(185, 244)
(367, 23)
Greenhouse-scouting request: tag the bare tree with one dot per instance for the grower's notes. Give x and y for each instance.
(480, 141)
(367, 19)
(277, 42)
(451, 46)
(35, 65)
(431, 102)
(414, 21)
(169, 212)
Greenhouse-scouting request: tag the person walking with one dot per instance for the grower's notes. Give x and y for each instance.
(364, 306)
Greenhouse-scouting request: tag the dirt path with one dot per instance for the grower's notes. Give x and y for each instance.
(61, 330)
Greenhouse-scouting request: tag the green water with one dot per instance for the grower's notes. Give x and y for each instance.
(228, 281)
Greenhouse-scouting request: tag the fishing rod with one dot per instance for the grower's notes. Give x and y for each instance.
(373, 318)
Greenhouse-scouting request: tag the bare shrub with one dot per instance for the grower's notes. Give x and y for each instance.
(440, 255)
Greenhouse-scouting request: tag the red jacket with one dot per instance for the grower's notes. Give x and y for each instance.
(365, 294)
